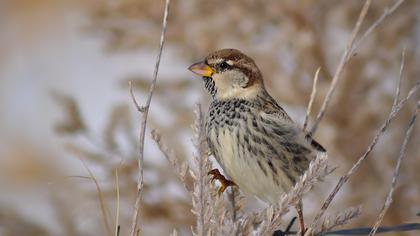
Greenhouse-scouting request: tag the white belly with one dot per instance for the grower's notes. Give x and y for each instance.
(244, 170)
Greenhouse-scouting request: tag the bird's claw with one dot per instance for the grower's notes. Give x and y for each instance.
(224, 183)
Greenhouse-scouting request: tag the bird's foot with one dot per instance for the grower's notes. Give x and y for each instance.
(224, 183)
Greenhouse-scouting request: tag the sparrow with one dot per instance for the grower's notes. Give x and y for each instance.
(258, 146)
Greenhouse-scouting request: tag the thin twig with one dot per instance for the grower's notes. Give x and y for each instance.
(397, 92)
(312, 98)
(145, 111)
(233, 200)
(356, 166)
(349, 52)
(100, 196)
(341, 218)
(133, 98)
(387, 12)
(343, 61)
(396, 172)
(117, 217)
(68, 177)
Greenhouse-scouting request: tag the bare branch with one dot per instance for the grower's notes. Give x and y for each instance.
(312, 98)
(343, 61)
(133, 98)
(397, 91)
(356, 166)
(144, 111)
(396, 171)
(350, 49)
(387, 12)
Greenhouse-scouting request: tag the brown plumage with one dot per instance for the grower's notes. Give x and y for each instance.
(254, 140)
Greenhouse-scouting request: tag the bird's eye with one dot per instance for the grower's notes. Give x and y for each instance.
(224, 65)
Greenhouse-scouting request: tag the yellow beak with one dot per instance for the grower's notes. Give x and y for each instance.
(200, 68)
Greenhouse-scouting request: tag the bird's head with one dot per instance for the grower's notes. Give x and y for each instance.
(228, 74)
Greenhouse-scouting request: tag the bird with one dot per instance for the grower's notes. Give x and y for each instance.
(256, 143)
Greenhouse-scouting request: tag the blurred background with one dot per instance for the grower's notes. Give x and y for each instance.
(66, 114)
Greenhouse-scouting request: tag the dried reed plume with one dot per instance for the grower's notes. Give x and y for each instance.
(340, 219)
(388, 200)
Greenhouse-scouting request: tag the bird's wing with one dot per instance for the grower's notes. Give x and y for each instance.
(271, 107)
(280, 120)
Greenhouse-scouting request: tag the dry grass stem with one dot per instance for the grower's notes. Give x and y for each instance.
(343, 61)
(202, 198)
(350, 49)
(236, 201)
(312, 98)
(400, 78)
(208, 206)
(117, 217)
(101, 197)
(133, 98)
(181, 169)
(394, 111)
(388, 201)
(340, 219)
(145, 111)
(387, 12)
(271, 216)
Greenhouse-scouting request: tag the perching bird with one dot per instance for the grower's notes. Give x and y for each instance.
(253, 139)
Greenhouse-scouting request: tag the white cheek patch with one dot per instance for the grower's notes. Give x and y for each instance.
(230, 84)
(238, 79)
(231, 79)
